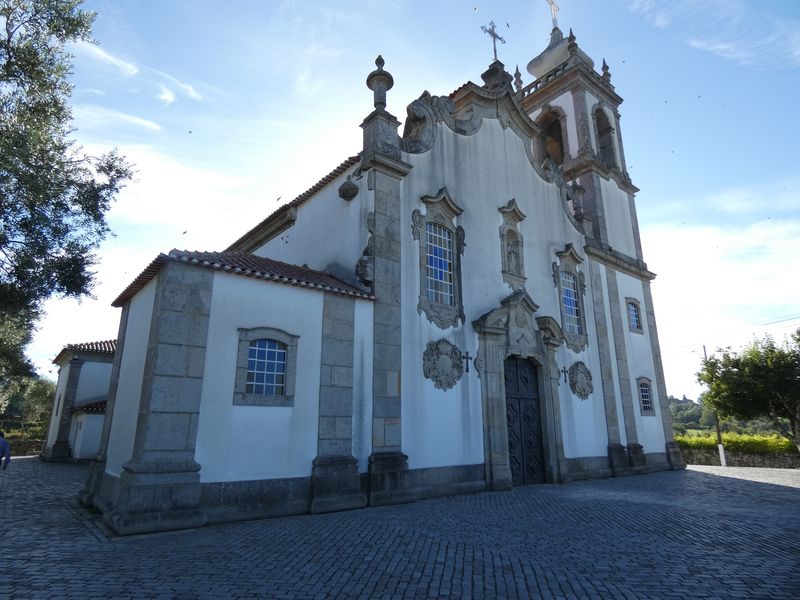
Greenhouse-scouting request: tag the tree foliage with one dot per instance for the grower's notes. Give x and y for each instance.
(763, 379)
(28, 399)
(53, 197)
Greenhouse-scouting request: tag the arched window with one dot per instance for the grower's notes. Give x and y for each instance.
(553, 142)
(441, 244)
(439, 264)
(571, 288)
(605, 139)
(634, 315)
(646, 403)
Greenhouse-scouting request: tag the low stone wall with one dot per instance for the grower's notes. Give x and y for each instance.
(694, 456)
(25, 447)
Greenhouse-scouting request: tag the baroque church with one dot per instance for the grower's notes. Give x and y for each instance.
(481, 320)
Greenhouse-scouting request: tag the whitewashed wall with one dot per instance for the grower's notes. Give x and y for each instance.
(640, 364)
(482, 173)
(327, 230)
(93, 383)
(58, 403)
(618, 217)
(85, 442)
(258, 442)
(129, 387)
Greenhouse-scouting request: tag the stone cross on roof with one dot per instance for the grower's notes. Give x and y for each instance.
(553, 10)
(492, 31)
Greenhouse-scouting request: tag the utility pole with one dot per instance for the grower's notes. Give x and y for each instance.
(720, 447)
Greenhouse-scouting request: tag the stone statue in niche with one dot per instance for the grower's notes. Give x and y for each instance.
(580, 380)
(512, 257)
(443, 364)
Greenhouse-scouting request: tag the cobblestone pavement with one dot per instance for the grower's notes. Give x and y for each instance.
(706, 532)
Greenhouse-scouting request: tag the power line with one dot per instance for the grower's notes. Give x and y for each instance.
(743, 329)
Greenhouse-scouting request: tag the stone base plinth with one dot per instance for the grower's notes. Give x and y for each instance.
(387, 479)
(674, 456)
(336, 484)
(156, 497)
(59, 451)
(636, 456)
(618, 460)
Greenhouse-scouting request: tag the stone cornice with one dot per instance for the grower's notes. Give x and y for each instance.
(619, 261)
(571, 78)
(575, 167)
(277, 224)
(385, 164)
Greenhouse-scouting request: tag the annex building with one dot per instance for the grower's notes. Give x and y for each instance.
(460, 307)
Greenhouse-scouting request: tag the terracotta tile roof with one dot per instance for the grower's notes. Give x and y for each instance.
(247, 265)
(107, 347)
(301, 199)
(92, 407)
(102, 347)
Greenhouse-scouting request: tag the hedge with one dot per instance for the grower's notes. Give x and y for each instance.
(740, 442)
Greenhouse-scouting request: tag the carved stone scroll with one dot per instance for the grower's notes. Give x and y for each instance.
(442, 363)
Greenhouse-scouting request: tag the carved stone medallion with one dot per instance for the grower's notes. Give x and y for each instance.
(443, 364)
(580, 380)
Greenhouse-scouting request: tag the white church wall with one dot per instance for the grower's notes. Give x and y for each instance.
(362, 383)
(328, 230)
(94, 382)
(58, 404)
(583, 422)
(618, 218)
(490, 168)
(640, 364)
(129, 385)
(236, 443)
(86, 442)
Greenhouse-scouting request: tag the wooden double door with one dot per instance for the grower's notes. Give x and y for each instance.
(523, 412)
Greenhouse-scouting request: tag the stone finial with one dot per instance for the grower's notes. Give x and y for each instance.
(380, 81)
(517, 79)
(606, 72)
(572, 45)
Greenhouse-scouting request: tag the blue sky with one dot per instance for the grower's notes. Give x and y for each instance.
(226, 107)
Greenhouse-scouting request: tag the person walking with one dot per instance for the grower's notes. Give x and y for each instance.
(5, 451)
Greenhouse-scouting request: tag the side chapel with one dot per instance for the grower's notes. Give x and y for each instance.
(481, 318)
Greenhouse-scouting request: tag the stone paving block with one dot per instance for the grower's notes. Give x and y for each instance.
(703, 533)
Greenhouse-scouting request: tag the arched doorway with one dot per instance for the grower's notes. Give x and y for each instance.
(524, 421)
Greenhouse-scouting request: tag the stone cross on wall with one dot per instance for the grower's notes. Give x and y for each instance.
(553, 10)
(492, 31)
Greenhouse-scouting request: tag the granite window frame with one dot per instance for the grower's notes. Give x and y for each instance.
(644, 391)
(568, 263)
(246, 336)
(441, 211)
(636, 305)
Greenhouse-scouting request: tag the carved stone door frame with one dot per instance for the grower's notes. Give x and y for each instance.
(514, 330)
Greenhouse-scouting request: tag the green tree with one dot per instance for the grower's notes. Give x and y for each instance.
(53, 197)
(29, 398)
(762, 380)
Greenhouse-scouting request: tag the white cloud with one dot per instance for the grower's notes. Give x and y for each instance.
(124, 67)
(166, 95)
(718, 286)
(731, 29)
(185, 88)
(94, 117)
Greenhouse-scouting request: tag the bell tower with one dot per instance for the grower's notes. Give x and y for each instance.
(577, 109)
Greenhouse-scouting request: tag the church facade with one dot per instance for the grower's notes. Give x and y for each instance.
(458, 308)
